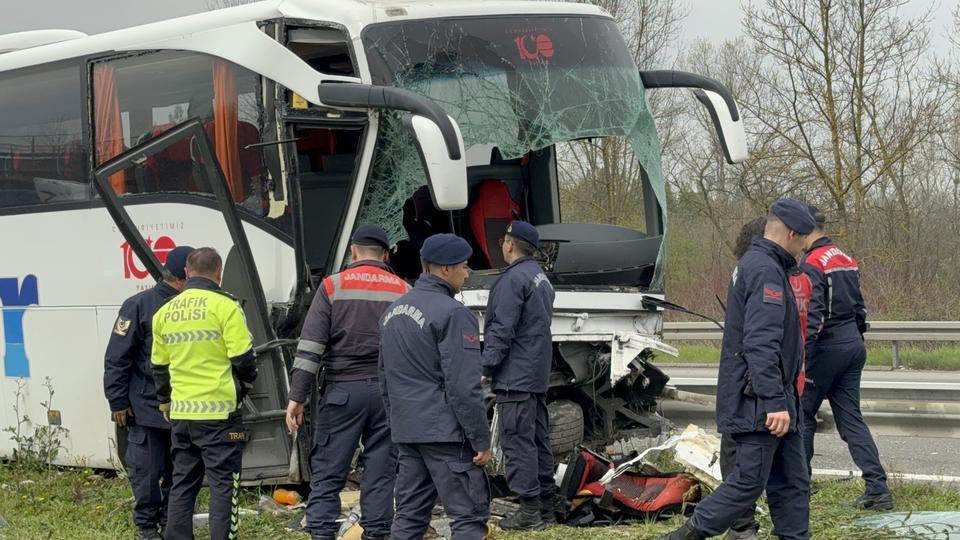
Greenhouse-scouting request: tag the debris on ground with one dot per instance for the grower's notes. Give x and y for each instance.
(270, 506)
(202, 521)
(693, 448)
(286, 497)
(929, 525)
(639, 478)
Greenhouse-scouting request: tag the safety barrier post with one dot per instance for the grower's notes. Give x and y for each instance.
(896, 355)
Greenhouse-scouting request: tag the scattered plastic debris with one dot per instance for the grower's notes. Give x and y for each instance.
(928, 525)
(693, 448)
(287, 497)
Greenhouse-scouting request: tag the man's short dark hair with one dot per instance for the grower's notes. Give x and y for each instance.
(204, 261)
(525, 248)
(374, 252)
(752, 228)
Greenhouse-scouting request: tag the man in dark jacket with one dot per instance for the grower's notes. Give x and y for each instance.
(130, 389)
(430, 379)
(757, 401)
(517, 355)
(835, 358)
(341, 334)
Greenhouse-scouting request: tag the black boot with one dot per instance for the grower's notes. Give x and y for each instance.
(883, 501)
(748, 534)
(550, 507)
(687, 532)
(148, 533)
(526, 518)
(365, 536)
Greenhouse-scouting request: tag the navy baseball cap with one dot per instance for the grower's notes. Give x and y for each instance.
(446, 248)
(794, 214)
(817, 214)
(370, 235)
(177, 261)
(524, 231)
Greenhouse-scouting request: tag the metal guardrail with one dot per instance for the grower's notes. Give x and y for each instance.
(893, 332)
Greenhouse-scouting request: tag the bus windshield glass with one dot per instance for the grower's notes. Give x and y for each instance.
(518, 83)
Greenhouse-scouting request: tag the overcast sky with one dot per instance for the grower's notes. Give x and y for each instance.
(714, 20)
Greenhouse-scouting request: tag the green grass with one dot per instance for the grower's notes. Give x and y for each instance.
(912, 357)
(72, 503)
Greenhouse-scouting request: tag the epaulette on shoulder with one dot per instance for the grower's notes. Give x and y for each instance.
(225, 293)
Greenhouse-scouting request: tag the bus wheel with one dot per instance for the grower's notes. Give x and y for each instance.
(566, 426)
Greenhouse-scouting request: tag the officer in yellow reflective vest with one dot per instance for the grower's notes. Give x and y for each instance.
(203, 364)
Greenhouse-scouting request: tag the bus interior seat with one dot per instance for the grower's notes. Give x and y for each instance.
(491, 212)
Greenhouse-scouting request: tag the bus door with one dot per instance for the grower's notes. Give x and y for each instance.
(267, 455)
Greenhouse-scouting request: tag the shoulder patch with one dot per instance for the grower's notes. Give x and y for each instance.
(471, 341)
(122, 326)
(772, 293)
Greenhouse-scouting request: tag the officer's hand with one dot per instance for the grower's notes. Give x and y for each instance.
(484, 381)
(120, 417)
(165, 409)
(482, 458)
(294, 416)
(778, 423)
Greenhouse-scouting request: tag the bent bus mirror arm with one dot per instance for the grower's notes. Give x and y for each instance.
(437, 136)
(719, 102)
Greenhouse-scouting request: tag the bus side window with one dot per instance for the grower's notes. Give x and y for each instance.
(138, 98)
(42, 160)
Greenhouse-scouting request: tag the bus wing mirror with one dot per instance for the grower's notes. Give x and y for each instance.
(719, 103)
(437, 136)
(447, 177)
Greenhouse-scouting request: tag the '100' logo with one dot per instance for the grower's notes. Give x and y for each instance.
(131, 263)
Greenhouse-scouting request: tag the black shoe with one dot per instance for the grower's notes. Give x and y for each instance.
(687, 532)
(148, 533)
(525, 518)
(883, 501)
(323, 537)
(748, 534)
(365, 536)
(550, 508)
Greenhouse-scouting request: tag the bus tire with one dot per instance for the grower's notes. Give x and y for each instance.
(566, 426)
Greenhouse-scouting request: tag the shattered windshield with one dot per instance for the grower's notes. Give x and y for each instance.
(519, 83)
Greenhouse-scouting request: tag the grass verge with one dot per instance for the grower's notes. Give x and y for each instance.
(76, 504)
(911, 357)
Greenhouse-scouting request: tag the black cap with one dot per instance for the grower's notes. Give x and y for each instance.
(446, 248)
(370, 235)
(524, 231)
(177, 261)
(817, 214)
(794, 214)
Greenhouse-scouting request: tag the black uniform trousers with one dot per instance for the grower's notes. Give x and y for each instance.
(447, 469)
(525, 441)
(762, 462)
(835, 370)
(214, 447)
(150, 470)
(728, 463)
(350, 413)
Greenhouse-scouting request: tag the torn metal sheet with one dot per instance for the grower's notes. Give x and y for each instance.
(625, 348)
(693, 448)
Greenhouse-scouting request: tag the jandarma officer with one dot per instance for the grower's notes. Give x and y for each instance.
(757, 401)
(341, 336)
(430, 378)
(129, 387)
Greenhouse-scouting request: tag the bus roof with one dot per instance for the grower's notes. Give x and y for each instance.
(354, 15)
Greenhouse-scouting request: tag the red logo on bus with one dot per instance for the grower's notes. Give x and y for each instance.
(534, 47)
(132, 269)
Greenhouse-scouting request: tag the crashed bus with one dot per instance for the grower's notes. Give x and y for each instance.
(269, 131)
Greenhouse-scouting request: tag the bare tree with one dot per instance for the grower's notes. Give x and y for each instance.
(853, 96)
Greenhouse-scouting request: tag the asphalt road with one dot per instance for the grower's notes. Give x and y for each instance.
(913, 455)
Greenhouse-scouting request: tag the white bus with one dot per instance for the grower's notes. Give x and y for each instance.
(269, 131)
